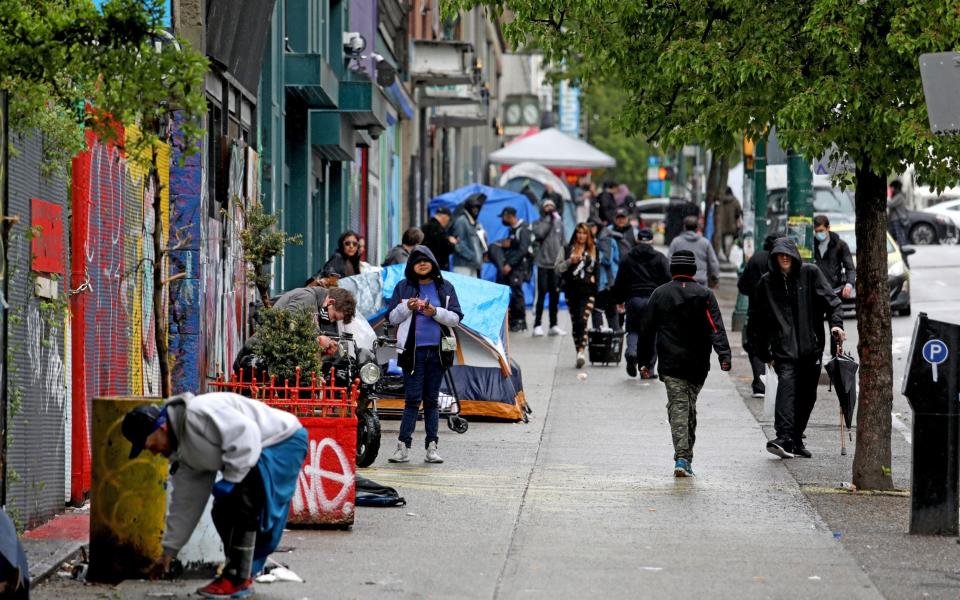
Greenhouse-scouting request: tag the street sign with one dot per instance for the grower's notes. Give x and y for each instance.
(940, 73)
(935, 352)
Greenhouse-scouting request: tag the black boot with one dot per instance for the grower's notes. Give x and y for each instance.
(631, 365)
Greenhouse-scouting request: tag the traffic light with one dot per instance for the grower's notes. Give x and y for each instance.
(665, 173)
(748, 149)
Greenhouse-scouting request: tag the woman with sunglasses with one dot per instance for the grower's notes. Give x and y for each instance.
(578, 279)
(345, 262)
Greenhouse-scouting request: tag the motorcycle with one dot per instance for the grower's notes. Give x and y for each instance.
(351, 363)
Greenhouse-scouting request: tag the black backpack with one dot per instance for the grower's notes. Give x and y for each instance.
(371, 493)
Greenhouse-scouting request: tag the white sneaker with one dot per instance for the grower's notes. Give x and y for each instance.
(401, 454)
(581, 359)
(432, 455)
(538, 331)
(557, 331)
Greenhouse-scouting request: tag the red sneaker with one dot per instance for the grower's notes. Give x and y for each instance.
(222, 587)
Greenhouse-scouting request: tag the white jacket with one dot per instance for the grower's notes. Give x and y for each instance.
(217, 432)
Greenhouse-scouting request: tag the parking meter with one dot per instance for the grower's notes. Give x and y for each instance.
(930, 384)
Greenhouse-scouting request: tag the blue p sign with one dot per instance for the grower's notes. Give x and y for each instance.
(935, 352)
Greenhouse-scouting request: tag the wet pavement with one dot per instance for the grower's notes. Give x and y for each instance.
(580, 502)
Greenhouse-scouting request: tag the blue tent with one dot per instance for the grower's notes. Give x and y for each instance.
(497, 200)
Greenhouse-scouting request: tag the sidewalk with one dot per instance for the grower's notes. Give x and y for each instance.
(579, 503)
(55, 542)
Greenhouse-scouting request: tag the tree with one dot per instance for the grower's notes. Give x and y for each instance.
(602, 102)
(70, 67)
(822, 71)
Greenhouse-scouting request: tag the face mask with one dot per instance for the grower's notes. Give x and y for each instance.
(821, 236)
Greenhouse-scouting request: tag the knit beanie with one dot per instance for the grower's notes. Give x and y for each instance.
(683, 262)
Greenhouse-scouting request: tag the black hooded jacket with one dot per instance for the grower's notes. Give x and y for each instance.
(756, 267)
(837, 262)
(686, 319)
(787, 311)
(642, 270)
(437, 238)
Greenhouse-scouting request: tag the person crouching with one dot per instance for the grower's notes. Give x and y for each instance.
(259, 451)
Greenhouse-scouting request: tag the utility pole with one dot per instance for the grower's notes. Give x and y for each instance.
(800, 203)
(759, 176)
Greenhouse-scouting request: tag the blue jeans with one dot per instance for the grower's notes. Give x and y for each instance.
(422, 385)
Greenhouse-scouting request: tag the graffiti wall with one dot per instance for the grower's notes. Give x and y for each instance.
(38, 355)
(113, 228)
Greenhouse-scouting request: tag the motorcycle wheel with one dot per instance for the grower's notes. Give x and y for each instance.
(368, 438)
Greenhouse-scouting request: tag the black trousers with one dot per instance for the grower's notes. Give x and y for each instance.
(796, 395)
(580, 304)
(518, 303)
(605, 307)
(548, 282)
(239, 513)
(756, 365)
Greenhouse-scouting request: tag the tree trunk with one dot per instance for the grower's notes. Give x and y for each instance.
(159, 315)
(872, 460)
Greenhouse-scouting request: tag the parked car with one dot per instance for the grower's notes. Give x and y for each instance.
(833, 202)
(898, 273)
(926, 228)
(949, 209)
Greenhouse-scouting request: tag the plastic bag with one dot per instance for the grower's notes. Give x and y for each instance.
(770, 395)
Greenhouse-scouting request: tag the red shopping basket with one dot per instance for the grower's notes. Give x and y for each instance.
(325, 488)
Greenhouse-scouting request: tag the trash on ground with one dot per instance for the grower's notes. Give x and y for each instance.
(581, 376)
(653, 569)
(814, 578)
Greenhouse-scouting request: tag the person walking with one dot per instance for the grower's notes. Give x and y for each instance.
(708, 267)
(425, 308)
(436, 236)
(606, 204)
(756, 267)
(577, 268)
(623, 231)
(399, 254)
(512, 257)
(834, 258)
(258, 451)
(786, 316)
(470, 247)
(548, 234)
(642, 271)
(898, 216)
(686, 320)
(608, 263)
(728, 219)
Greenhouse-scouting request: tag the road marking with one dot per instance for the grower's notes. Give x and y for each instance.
(902, 428)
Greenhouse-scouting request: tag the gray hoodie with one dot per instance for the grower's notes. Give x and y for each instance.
(217, 432)
(548, 232)
(708, 267)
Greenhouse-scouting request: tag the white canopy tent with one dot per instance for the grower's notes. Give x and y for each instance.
(552, 148)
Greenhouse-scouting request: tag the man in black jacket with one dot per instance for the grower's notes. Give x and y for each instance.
(436, 236)
(687, 322)
(833, 256)
(786, 330)
(621, 225)
(607, 203)
(642, 270)
(756, 267)
(513, 260)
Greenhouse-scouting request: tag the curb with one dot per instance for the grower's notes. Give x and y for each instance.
(41, 570)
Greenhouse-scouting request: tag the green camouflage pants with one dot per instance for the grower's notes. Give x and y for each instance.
(682, 412)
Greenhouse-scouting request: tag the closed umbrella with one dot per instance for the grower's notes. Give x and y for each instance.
(842, 369)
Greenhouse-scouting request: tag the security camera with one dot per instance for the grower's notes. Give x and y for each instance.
(353, 43)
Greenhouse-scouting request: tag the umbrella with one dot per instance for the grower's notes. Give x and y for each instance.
(842, 370)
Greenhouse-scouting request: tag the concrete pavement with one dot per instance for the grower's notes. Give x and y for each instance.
(580, 502)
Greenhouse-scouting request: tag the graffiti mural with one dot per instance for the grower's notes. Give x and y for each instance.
(113, 244)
